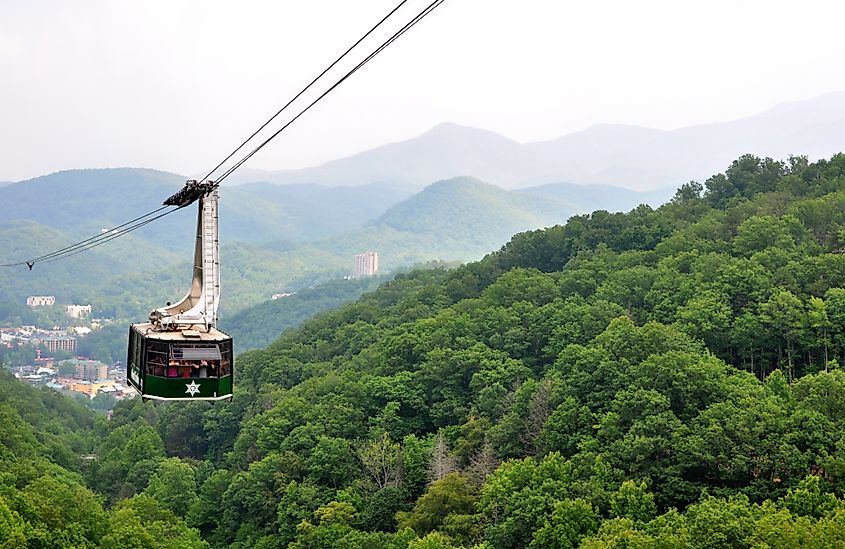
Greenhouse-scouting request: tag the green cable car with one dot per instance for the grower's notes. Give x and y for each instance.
(176, 365)
(180, 354)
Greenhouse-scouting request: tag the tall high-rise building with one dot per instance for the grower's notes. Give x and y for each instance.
(366, 264)
(57, 343)
(91, 370)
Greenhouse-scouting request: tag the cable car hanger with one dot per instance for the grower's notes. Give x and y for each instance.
(199, 306)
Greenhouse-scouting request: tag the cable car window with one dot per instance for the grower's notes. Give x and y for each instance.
(136, 354)
(199, 361)
(226, 358)
(156, 357)
(195, 353)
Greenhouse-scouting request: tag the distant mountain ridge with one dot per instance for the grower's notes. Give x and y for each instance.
(82, 202)
(481, 215)
(607, 154)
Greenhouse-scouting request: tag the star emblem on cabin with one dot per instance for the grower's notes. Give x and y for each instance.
(193, 388)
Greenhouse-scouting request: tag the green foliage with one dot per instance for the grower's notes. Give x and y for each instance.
(126, 460)
(633, 501)
(517, 497)
(173, 486)
(451, 495)
(141, 522)
(434, 540)
(663, 378)
(570, 522)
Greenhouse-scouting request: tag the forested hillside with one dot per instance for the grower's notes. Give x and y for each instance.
(661, 378)
(44, 500)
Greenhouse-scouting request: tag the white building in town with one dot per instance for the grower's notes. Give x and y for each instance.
(78, 311)
(41, 300)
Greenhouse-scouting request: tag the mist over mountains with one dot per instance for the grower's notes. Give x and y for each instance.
(83, 202)
(606, 154)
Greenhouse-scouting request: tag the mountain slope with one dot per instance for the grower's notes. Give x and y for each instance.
(456, 219)
(82, 277)
(259, 325)
(448, 150)
(464, 207)
(670, 376)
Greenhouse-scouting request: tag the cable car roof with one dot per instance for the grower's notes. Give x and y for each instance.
(213, 334)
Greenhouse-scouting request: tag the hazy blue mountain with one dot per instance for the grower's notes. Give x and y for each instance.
(589, 198)
(458, 219)
(447, 150)
(87, 199)
(606, 154)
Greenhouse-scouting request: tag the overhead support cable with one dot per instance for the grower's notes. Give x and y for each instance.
(305, 89)
(110, 237)
(84, 244)
(419, 17)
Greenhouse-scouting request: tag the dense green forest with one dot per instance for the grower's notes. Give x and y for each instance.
(668, 377)
(44, 499)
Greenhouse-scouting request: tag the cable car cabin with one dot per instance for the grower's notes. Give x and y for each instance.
(179, 364)
(179, 354)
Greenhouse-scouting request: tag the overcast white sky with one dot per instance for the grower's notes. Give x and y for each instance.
(175, 85)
